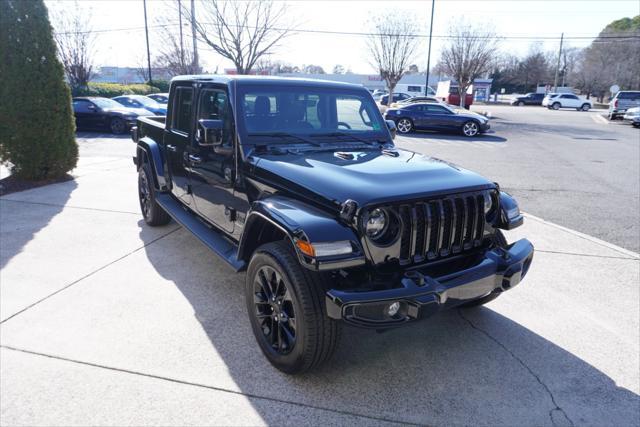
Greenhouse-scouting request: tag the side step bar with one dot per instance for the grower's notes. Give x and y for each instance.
(207, 235)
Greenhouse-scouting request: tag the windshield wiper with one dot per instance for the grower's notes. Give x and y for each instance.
(285, 135)
(348, 135)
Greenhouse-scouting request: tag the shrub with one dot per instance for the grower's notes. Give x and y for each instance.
(109, 90)
(162, 85)
(37, 131)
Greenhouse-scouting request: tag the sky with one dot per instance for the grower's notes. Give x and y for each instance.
(525, 20)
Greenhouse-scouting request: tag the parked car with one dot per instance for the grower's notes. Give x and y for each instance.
(160, 98)
(632, 115)
(141, 101)
(546, 101)
(528, 99)
(415, 99)
(431, 116)
(298, 183)
(622, 101)
(379, 92)
(104, 113)
(567, 100)
(384, 99)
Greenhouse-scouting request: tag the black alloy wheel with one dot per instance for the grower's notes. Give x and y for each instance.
(152, 213)
(286, 307)
(117, 126)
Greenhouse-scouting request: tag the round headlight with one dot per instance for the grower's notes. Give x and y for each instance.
(376, 223)
(488, 202)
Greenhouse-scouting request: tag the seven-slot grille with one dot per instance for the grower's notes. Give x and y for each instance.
(437, 228)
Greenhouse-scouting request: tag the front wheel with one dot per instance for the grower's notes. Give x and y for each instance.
(585, 107)
(520, 104)
(556, 106)
(117, 126)
(287, 310)
(470, 129)
(404, 125)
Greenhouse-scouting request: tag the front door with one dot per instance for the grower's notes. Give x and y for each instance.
(212, 166)
(439, 116)
(176, 139)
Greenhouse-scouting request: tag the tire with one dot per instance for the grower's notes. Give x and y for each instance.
(501, 241)
(404, 125)
(585, 107)
(312, 337)
(612, 117)
(520, 104)
(117, 126)
(556, 106)
(470, 129)
(152, 213)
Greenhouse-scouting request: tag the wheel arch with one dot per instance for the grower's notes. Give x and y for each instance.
(148, 151)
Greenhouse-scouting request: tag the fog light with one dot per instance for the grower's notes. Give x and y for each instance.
(393, 308)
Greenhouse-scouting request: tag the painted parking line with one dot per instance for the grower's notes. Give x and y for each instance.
(598, 118)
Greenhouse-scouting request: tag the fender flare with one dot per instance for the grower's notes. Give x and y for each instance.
(299, 221)
(150, 149)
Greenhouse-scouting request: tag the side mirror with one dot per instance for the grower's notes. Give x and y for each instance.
(209, 133)
(392, 128)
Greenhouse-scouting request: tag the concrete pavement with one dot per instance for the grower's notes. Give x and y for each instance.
(106, 321)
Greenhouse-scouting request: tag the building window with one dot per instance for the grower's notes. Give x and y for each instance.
(414, 89)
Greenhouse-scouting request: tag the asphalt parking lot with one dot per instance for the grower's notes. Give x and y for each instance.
(105, 321)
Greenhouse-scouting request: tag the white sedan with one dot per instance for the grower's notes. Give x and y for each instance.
(566, 100)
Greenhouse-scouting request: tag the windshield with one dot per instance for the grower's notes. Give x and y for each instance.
(308, 111)
(106, 103)
(146, 101)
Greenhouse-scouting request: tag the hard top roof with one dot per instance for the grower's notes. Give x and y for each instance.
(257, 80)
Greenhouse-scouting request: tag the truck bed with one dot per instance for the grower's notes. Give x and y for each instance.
(151, 127)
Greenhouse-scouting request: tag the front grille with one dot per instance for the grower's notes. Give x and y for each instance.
(438, 228)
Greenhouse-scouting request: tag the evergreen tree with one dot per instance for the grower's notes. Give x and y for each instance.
(37, 130)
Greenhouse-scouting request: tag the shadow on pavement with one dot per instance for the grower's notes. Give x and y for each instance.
(92, 134)
(19, 221)
(459, 367)
(486, 137)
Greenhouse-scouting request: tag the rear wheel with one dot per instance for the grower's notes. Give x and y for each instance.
(152, 213)
(502, 242)
(404, 126)
(555, 106)
(287, 310)
(470, 128)
(585, 107)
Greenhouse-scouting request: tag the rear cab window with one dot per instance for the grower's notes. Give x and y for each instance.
(181, 111)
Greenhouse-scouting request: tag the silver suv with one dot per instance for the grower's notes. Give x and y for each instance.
(622, 101)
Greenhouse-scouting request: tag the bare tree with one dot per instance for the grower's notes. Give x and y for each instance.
(468, 55)
(241, 31)
(172, 56)
(75, 44)
(391, 47)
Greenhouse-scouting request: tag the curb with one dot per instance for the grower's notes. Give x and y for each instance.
(592, 239)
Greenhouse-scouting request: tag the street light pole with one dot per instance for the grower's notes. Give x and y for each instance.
(181, 40)
(196, 66)
(555, 79)
(426, 85)
(146, 32)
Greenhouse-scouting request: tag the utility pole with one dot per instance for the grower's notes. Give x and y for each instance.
(555, 80)
(181, 40)
(146, 32)
(196, 67)
(426, 84)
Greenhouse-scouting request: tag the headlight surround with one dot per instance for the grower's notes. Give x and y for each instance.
(376, 223)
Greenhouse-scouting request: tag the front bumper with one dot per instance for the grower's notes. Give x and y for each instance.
(632, 119)
(420, 295)
(484, 127)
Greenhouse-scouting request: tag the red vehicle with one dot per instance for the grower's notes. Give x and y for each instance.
(448, 93)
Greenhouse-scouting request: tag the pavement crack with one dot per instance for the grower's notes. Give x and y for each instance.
(210, 387)
(556, 409)
(88, 275)
(68, 206)
(586, 255)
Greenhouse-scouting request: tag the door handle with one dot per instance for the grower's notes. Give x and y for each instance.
(195, 159)
(171, 148)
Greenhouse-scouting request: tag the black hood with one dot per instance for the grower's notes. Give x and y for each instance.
(367, 176)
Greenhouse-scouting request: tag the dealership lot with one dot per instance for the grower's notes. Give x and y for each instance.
(125, 324)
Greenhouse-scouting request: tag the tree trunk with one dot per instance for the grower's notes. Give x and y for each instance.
(390, 97)
(462, 93)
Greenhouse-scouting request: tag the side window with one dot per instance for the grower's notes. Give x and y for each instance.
(436, 109)
(214, 105)
(82, 106)
(414, 88)
(181, 120)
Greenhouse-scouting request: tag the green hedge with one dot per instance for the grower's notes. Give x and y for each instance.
(163, 85)
(109, 90)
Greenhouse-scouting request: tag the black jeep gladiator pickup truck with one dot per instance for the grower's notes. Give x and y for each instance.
(298, 182)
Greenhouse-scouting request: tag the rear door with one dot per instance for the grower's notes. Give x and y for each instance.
(212, 168)
(177, 137)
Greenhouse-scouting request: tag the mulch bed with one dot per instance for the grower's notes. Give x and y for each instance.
(11, 184)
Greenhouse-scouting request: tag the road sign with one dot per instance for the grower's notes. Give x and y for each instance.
(614, 89)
